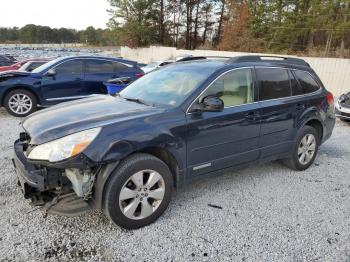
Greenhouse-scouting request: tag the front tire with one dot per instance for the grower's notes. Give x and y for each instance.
(20, 102)
(138, 192)
(304, 150)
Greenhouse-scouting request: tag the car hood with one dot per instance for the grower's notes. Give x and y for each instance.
(71, 117)
(14, 73)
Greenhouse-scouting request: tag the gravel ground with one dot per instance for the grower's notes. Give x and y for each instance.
(268, 213)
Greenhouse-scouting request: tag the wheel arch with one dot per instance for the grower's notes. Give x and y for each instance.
(106, 171)
(168, 158)
(317, 124)
(12, 88)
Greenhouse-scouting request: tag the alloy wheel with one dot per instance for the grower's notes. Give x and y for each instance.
(307, 149)
(20, 104)
(142, 194)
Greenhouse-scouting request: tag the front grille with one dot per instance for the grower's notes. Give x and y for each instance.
(24, 137)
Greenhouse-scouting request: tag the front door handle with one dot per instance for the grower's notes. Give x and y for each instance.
(252, 115)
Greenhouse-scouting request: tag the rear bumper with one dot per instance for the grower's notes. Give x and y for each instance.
(328, 126)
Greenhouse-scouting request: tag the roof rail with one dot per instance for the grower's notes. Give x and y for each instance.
(192, 58)
(276, 59)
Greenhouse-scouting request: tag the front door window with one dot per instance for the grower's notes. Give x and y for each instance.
(234, 88)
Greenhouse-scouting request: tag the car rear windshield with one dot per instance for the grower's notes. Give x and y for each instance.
(168, 86)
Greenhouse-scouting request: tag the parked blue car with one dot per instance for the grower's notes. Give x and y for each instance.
(61, 80)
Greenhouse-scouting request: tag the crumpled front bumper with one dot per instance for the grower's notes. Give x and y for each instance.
(342, 111)
(32, 178)
(46, 186)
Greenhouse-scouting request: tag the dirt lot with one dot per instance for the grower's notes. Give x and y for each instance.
(268, 213)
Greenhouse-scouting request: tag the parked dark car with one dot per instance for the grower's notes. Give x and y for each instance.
(6, 60)
(27, 67)
(342, 107)
(182, 122)
(18, 65)
(60, 80)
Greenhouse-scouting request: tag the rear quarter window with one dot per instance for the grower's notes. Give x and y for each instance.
(99, 66)
(274, 83)
(118, 67)
(306, 81)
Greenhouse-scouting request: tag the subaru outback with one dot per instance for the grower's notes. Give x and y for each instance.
(125, 154)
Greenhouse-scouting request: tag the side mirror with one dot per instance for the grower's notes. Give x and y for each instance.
(213, 104)
(50, 72)
(209, 104)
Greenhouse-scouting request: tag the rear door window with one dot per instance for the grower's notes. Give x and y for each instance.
(274, 83)
(97, 66)
(306, 81)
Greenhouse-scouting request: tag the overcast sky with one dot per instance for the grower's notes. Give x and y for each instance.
(77, 14)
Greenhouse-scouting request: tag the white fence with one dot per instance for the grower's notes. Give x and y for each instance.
(65, 45)
(334, 72)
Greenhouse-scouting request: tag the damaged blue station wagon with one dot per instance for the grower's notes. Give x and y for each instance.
(125, 154)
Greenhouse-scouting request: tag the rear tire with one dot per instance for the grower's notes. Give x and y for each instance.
(138, 192)
(20, 102)
(304, 150)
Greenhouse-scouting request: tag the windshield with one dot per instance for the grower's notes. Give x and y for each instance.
(24, 66)
(168, 86)
(46, 66)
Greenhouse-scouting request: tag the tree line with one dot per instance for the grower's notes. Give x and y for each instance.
(36, 34)
(320, 27)
(291, 26)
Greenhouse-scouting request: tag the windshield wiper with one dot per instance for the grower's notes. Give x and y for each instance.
(135, 100)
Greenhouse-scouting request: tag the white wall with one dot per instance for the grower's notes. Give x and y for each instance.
(334, 72)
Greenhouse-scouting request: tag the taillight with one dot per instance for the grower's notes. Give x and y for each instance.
(139, 75)
(330, 98)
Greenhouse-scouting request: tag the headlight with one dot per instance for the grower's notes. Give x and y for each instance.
(64, 147)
